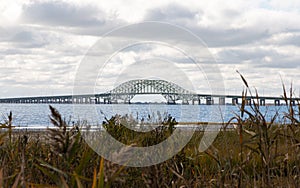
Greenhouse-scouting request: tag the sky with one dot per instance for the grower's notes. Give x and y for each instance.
(43, 44)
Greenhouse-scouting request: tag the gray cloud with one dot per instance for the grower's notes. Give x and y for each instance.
(293, 39)
(233, 27)
(214, 36)
(65, 17)
(28, 39)
(280, 63)
(62, 14)
(171, 12)
(258, 58)
(236, 56)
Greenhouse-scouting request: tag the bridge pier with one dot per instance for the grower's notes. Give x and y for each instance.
(222, 101)
(196, 101)
(65, 100)
(107, 101)
(248, 101)
(183, 102)
(262, 102)
(293, 102)
(172, 102)
(126, 101)
(235, 101)
(209, 101)
(277, 102)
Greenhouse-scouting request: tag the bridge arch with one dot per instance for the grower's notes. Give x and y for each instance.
(170, 91)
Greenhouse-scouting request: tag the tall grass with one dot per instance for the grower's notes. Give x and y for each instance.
(259, 153)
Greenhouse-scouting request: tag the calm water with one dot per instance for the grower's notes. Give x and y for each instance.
(37, 115)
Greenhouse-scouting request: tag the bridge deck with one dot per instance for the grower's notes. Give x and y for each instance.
(105, 98)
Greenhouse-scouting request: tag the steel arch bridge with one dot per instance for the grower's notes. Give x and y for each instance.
(127, 90)
(170, 91)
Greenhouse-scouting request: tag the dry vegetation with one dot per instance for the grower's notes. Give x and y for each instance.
(257, 154)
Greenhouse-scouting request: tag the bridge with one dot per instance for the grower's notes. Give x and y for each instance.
(125, 92)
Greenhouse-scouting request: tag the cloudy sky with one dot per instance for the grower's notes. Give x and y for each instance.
(42, 43)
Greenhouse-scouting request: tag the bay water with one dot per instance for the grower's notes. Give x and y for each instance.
(37, 115)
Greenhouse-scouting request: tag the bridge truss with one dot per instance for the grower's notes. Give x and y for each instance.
(170, 91)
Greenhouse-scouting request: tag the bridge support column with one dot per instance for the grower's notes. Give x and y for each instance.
(173, 102)
(277, 102)
(184, 101)
(235, 101)
(193, 102)
(125, 102)
(262, 102)
(209, 101)
(222, 101)
(248, 101)
(107, 101)
(293, 102)
(67, 100)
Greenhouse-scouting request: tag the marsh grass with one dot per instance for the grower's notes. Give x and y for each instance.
(117, 126)
(257, 154)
